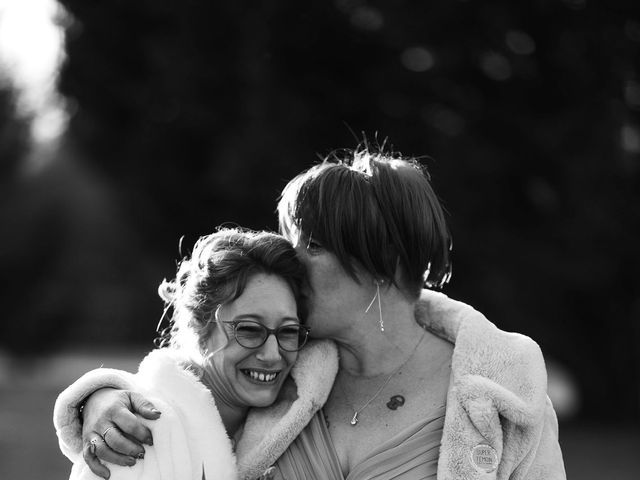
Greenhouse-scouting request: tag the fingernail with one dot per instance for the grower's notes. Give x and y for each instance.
(149, 441)
(131, 461)
(155, 410)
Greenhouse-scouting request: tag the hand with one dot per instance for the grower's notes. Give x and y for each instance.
(110, 430)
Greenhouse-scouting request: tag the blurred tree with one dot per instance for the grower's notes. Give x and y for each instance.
(14, 144)
(14, 137)
(198, 113)
(70, 267)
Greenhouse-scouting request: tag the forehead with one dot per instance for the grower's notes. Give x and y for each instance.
(267, 299)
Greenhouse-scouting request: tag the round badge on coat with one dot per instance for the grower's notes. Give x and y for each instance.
(484, 458)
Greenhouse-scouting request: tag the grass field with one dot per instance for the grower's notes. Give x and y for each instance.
(29, 451)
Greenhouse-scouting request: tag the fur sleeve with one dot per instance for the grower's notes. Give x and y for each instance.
(66, 418)
(547, 462)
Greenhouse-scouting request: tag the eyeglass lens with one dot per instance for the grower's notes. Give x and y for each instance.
(253, 335)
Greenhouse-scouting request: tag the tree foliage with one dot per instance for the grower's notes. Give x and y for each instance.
(197, 113)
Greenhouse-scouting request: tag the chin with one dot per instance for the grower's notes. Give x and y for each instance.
(259, 395)
(267, 402)
(261, 399)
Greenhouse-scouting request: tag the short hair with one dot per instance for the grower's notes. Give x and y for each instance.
(376, 210)
(217, 273)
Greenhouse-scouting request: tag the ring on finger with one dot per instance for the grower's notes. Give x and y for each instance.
(93, 444)
(104, 434)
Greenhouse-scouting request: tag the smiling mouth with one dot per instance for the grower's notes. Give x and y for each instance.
(263, 377)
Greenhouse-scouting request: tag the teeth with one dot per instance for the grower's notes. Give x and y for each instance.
(261, 376)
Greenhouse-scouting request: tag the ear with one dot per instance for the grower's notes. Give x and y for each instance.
(399, 275)
(214, 338)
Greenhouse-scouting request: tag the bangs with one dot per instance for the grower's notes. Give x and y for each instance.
(373, 212)
(335, 206)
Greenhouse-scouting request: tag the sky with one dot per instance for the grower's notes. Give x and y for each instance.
(31, 53)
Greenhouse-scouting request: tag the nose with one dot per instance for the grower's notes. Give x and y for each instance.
(270, 350)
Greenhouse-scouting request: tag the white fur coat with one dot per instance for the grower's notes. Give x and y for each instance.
(499, 422)
(190, 441)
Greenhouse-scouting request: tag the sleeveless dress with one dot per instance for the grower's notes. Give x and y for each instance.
(412, 454)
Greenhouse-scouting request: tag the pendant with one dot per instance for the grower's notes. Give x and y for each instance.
(354, 420)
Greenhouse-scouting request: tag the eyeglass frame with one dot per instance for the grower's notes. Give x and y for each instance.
(270, 331)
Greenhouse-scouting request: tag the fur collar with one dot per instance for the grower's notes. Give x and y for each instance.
(162, 378)
(268, 432)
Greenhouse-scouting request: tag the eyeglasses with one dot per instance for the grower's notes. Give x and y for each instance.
(250, 334)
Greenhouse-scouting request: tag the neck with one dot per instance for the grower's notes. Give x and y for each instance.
(365, 351)
(232, 417)
(233, 414)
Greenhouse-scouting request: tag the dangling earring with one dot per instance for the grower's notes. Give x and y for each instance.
(377, 295)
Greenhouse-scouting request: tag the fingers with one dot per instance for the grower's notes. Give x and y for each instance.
(111, 407)
(97, 449)
(103, 451)
(143, 407)
(89, 455)
(132, 428)
(111, 432)
(119, 447)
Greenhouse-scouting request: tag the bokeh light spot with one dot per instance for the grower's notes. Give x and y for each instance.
(575, 4)
(417, 59)
(563, 391)
(630, 138)
(542, 194)
(444, 119)
(632, 94)
(31, 52)
(632, 30)
(520, 42)
(367, 18)
(495, 66)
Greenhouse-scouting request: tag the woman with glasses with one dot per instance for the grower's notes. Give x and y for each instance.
(427, 387)
(234, 337)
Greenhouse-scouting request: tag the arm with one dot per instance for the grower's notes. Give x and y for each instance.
(548, 462)
(169, 458)
(103, 408)
(188, 437)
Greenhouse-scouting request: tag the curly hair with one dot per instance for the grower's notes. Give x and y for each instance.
(217, 273)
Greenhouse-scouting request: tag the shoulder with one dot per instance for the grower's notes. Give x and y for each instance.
(165, 361)
(166, 374)
(481, 345)
(191, 432)
(486, 361)
(498, 384)
(476, 339)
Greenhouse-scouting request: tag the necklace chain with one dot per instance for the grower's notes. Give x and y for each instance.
(356, 412)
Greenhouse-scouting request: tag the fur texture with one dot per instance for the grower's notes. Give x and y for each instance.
(497, 397)
(189, 438)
